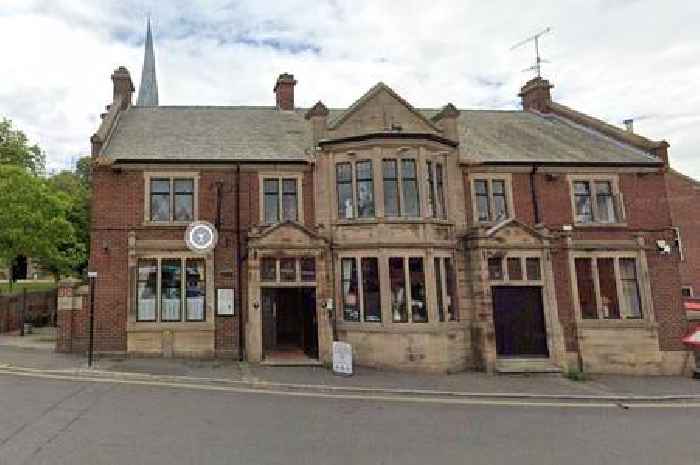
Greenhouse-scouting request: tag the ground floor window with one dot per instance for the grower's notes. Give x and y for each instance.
(163, 294)
(608, 288)
(444, 288)
(405, 283)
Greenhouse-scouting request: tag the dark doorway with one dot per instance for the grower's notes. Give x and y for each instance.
(19, 268)
(519, 319)
(289, 321)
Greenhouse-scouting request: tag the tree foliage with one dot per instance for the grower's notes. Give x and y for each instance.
(34, 221)
(15, 149)
(75, 187)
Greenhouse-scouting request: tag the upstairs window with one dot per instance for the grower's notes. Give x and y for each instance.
(409, 180)
(343, 179)
(391, 188)
(596, 201)
(491, 199)
(171, 199)
(280, 199)
(359, 187)
(436, 190)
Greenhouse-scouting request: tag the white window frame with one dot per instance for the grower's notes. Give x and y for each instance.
(690, 289)
(489, 178)
(183, 289)
(171, 176)
(279, 177)
(617, 199)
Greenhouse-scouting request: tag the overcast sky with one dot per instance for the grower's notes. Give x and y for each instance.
(613, 59)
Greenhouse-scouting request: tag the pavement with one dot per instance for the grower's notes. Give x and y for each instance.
(34, 355)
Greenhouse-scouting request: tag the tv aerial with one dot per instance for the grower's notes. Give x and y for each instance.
(538, 59)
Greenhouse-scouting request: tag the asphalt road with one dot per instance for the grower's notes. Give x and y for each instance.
(65, 422)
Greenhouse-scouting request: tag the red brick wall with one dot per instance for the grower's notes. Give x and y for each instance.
(648, 213)
(118, 208)
(684, 199)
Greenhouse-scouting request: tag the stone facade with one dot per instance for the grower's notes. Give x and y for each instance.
(388, 192)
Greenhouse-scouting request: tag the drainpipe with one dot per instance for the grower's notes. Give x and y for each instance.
(240, 259)
(533, 191)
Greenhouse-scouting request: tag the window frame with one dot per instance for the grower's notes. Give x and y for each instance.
(183, 289)
(617, 198)
(280, 177)
(645, 302)
(489, 178)
(690, 295)
(171, 176)
(522, 257)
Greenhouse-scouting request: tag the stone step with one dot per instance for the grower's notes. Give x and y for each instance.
(526, 365)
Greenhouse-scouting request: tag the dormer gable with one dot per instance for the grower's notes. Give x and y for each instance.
(380, 110)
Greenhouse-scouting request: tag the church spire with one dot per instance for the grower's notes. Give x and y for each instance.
(148, 90)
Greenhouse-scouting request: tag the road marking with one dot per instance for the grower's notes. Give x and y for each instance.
(324, 395)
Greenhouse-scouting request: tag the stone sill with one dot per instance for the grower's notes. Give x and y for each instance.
(403, 328)
(693, 316)
(166, 224)
(397, 220)
(616, 324)
(600, 225)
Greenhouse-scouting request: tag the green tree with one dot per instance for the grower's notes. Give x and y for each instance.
(75, 187)
(15, 149)
(34, 219)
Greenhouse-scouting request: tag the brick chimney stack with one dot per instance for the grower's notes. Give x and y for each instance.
(536, 96)
(123, 86)
(284, 92)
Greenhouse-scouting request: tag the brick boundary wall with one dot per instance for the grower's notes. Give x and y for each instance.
(40, 309)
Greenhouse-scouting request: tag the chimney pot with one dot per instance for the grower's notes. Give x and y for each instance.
(284, 92)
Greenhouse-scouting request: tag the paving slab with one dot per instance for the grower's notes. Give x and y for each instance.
(472, 382)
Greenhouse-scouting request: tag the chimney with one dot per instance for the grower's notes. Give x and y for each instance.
(318, 115)
(629, 125)
(536, 96)
(123, 87)
(284, 92)
(446, 120)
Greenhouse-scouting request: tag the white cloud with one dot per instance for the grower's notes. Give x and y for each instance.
(613, 60)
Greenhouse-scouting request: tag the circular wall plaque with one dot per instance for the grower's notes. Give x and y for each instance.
(201, 237)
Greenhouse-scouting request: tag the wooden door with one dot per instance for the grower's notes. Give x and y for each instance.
(269, 323)
(519, 321)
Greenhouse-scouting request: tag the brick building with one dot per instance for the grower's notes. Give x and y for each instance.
(430, 239)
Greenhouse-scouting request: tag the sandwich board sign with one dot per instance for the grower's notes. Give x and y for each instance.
(342, 358)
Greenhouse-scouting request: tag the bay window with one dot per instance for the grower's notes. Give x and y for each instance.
(435, 190)
(168, 287)
(608, 288)
(361, 289)
(343, 179)
(365, 189)
(409, 182)
(391, 188)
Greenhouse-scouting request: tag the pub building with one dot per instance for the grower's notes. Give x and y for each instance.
(433, 240)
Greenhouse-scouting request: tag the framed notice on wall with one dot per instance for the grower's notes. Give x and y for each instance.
(224, 302)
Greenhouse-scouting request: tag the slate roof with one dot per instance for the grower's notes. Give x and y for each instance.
(266, 134)
(209, 133)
